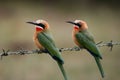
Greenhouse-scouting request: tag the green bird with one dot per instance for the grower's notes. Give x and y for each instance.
(44, 41)
(84, 39)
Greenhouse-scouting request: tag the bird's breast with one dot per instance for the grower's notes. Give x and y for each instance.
(37, 43)
(75, 39)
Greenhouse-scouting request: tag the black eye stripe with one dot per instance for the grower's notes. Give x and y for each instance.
(78, 24)
(42, 25)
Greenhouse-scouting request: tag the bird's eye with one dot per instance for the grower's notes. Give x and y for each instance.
(42, 25)
(78, 24)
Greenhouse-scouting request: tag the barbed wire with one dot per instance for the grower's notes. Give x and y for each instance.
(23, 52)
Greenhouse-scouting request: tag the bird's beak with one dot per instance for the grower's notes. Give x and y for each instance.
(33, 23)
(71, 22)
(37, 24)
(77, 24)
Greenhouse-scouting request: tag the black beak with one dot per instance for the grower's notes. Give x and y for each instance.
(71, 22)
(37, 24)
(77, 24)
(33, 23)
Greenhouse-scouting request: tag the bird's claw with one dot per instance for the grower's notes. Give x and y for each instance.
(77, 48)
(22, 52)
(38, 51)
(41, 51)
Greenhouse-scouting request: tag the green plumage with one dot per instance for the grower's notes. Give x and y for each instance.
(85, 39)
(46, 40)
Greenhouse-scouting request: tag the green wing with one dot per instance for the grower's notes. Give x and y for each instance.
(87, 41)
(46, 41)
(49, 37)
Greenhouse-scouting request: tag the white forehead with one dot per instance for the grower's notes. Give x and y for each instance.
(39, 21)
(78, 21)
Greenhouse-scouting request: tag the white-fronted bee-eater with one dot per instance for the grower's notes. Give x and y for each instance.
(44, 41)
(84, 39)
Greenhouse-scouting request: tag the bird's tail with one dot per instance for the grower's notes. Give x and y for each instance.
(62, 70)
(99, 66)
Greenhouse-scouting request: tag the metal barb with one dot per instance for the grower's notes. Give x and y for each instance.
(5, 53)
(110, 44)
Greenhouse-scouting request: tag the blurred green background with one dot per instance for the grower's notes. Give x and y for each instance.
(102, 16)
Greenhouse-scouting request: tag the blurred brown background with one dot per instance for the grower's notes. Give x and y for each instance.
(102, 17)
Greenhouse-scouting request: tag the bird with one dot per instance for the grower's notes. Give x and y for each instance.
(43, 39)
(84, 39)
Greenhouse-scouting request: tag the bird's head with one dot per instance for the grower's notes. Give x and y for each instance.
(41, 25)
(79, 25)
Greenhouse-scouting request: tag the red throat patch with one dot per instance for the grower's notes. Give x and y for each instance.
(76, 27)
(39, 29)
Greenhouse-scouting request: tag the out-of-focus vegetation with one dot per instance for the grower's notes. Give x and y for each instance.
(102, 17)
